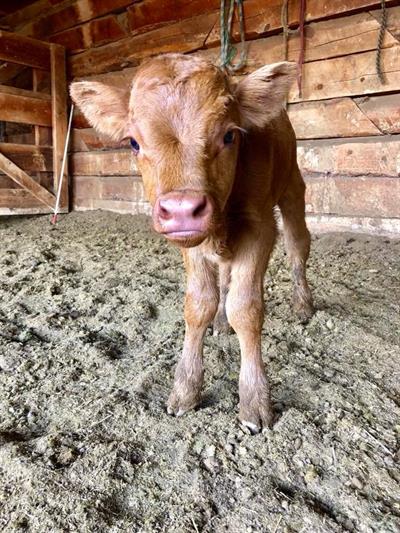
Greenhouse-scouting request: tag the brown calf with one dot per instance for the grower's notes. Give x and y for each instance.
(216, 156)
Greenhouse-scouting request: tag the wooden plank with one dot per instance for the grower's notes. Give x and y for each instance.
(340, 117)
(87, 139)
(42, 134)
(353, 75)
(35, 9)
(392, 20)
(6, 89)
(113, 162)
(71, 15)
(59, 118)
(263, 17)
(327, 39)
(367, 156)
(353, 196)
(116, 188)
(16, 198)
(184, 36)
(25, 181)
(8, 183)
(145, 16)
(93, 33)
(389, 227)
(24, 51)
(29, 157)
(24, 109)
(117, 206)
(383, 111)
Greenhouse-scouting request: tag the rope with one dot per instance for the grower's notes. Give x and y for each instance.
(301, 55)
(228, 51)
(285, 26)
(380, 42)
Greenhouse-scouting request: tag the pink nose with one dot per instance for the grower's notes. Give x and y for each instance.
(183, 214)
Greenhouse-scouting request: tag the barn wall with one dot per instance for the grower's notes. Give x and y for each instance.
(347, 122)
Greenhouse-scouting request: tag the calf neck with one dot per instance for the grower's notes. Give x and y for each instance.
(216, 156)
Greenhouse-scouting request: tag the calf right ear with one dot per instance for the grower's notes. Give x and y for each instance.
(105, 107)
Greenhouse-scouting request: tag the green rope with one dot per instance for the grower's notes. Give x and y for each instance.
(228, 51)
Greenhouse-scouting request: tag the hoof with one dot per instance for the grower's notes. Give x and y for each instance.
(254, 429)
(221, 326)
(256, 411)
(178, 404)
(304, 310)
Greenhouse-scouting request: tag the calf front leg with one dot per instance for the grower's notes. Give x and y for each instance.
(200, 306)
(245, 311)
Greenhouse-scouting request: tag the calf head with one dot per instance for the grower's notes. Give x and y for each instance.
(184, 118)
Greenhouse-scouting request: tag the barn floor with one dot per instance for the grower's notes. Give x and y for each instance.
(91, 327)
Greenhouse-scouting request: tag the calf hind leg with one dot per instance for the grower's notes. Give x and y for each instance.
(297, 244)
(221, 324)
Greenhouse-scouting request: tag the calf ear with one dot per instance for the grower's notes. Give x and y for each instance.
(105, 108)
(262, 94)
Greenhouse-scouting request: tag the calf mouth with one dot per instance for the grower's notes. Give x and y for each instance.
(186, 238)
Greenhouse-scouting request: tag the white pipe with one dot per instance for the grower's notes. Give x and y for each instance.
(60, 179)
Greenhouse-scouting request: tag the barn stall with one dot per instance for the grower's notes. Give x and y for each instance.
(91, 308)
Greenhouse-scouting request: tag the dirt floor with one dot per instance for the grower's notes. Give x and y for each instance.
(91, 326)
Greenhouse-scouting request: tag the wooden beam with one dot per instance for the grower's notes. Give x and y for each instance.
(349, 76)
(340, 117)
(6, 89)
(145, 16)
(353, 196)
(87, 139)
(265, 17)
(24, 50)
(327, 39)
(184, 36)
(16, 198)
(113, 162)
(94, 33)
(25, 181)
(123, 188)
(25, 109)
(16, 19)
(383, 111)
(29, 157)
(357, 157)
(71, 14)
(59, 117)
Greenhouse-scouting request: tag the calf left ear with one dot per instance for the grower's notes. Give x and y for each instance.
(105, 107)
(262, 94)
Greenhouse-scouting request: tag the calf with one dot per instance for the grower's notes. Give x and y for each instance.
(216, 156)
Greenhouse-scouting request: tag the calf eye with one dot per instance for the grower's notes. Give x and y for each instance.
(229, 137)
(135, 145)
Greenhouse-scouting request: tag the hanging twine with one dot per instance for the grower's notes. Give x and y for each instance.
(380, 42)
(285, 27)
(228, 51)
(300, 61)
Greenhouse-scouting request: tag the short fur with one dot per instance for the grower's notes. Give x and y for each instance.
(179, 109)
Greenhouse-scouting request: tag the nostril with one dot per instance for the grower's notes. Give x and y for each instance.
(163, 212)
(200, 208)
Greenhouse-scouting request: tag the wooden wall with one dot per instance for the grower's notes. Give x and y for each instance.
(347, 122)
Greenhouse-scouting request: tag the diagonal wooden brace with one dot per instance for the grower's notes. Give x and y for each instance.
(24, 180)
